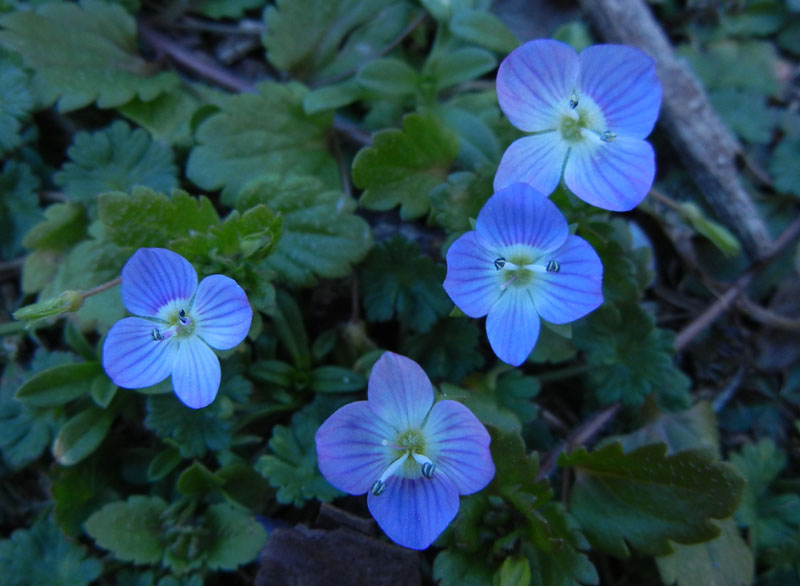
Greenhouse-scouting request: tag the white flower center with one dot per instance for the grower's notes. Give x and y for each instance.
(411, 463)
(520, 269)
(178, 324)
(581, 120)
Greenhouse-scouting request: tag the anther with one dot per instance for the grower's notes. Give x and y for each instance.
(552, 266)
(608, 136)
(573, 100)
(156, 335)
(499, 263)
(377, 487)
(427, 469)
(183, 319)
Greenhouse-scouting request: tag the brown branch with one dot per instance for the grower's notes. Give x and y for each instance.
(708, 149)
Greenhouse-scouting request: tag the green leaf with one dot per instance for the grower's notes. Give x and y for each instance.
(116, 159)
(455, 568)
(404, 165)
(630, 357)
(147, 218)
(42, 556)
(747, 65)
(224, 8)
(58, 385)
(81, 435)
(724, 561)
(19, 206)
(132, 530)
(240, 142)
(197, 480)
(464, 64)
(16, 102)
(96, 57)
(745, 112)
(337, 35)
(694, 429)
(718, 234)
(335, 379)
(483, 28)
(291, 332)
(397, 280)
(24, 432)
(237, 537)
(163, 463)
(389, 76)
(274, 372)
(647, 498)
(194, 430)
(783, 166)
(292, 465)
(448, 351)
(241, 237)
(515, 571)
(516, 473)
(331, 97)
(78, 492)
(103, 390)
(64, 225)
(322, 236)
(461, 198)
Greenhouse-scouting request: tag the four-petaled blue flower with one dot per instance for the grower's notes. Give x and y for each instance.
(179, 323)
(589, 115)
(412, 455)
(521, 263)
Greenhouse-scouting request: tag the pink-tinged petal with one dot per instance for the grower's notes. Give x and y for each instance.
(399, 392)
(221, 312)
(132, 358)
(472, 280)
(512, 326)
(195, 373)
(536, 160)
(350, 452)
(535, 83)
(154, 277)
(576, 289)
(459, 446)
(518, 215)
(623, 82)
(414, 512)
(614, 176)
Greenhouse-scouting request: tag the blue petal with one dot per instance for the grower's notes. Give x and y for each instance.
(535, 82)
(195, 373)
(576, 289)
(472, 280)
(221, 311)
(154, 277)
(614, 176)
(459, 445)
(414, 512)
(623, 82)
(536, 160)
(132, 359)
(350, 449)
(399, 392)
(520, 215)
(513, 326)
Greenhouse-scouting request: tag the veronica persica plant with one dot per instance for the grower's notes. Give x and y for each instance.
(413, 456)
(588, 114)
(519, 264)
(178, 325)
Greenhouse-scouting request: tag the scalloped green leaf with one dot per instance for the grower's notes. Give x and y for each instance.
(397, 280)
(116, 158)
(16, 103)
(338, 35)
(237, 537)
(64, 224)
(256, 134)
(403, 166)
(194, 431)
(19, 206)
(42, 556)
(132, 530)
(647, 498)
(784, 168)
(148, 218)
(322, 236)
(448, 351)
(96, 58)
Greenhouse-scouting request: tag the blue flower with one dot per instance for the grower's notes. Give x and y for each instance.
(414, 457)
(179, 323)
(519, 264)
(588, 115)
